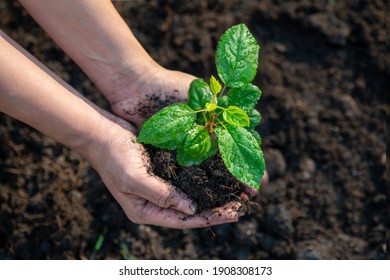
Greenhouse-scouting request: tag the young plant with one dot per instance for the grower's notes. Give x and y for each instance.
(217, 117)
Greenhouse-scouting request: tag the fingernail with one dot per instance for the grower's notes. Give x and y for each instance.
(236, 205)
(238, 210)
(233, 216)
(244, 197)
(187, 207)
(192, 208)
(252, 192)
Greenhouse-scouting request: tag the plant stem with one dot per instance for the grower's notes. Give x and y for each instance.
(204, 117)
(222, 91)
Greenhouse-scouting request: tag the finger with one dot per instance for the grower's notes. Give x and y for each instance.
(229, 213)
(252, 192)
(164, 195)
(265, 179)
(154, 215)
(249, 191)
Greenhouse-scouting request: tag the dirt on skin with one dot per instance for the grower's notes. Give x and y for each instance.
(324, 71)
(151, 103)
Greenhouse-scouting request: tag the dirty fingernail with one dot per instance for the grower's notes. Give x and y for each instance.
(236, 205)
(187, 207)
(233, 216)
(239, 210)
(251, 192)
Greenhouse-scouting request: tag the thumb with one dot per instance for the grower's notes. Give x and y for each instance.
(165, 195)
(251, 192)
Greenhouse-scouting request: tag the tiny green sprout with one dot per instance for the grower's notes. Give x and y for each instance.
(220, 116)
(215, 86)
(210, 107)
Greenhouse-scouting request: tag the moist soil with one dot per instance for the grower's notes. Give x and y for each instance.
(324, 68)
(210, 184)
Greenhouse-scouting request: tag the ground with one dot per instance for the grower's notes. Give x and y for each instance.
(324, 68)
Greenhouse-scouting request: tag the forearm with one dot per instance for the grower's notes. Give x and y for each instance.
(31, 93)
(94, 35)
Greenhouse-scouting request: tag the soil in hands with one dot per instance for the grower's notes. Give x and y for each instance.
(210, 184)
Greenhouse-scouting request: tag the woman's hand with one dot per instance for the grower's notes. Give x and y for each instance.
(124, 167)
(34, 95)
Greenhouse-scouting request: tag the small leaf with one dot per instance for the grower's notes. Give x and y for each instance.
(241, 154)
(215, 85)
(211, 107)
(235, 116)
(199, 94)
(254, 118)
(237, 56)
(246, 97)
(186, 159)
(167, 128)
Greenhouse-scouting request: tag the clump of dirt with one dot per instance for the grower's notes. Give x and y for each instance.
(209, 184)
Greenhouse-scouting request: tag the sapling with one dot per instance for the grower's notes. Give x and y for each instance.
(219, 116)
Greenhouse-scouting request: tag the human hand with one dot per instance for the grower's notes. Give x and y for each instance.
(125, 169)
(135, 97)
(248, 192)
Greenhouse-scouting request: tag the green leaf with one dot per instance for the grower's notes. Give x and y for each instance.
(199, 94)
(241, 154)
(235, 116)
(197, 142)
(168, 128)
(237, 56)
(215, 85)
(246, 97)
(254, 118)
(186, 159)
(257, 136)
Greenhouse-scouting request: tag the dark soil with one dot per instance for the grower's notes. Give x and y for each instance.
(209, 184)
(324, 72)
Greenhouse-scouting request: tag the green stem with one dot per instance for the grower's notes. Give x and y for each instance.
(222, 92)
(199, 111)
(204, 117)
(223, 109)
(221, 123)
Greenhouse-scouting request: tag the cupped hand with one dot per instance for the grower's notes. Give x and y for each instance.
(124, 167)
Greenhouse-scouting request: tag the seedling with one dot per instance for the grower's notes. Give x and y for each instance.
(217, 117)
